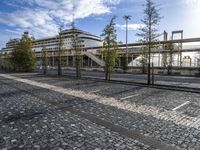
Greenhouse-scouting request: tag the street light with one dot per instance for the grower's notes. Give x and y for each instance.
(127, 18)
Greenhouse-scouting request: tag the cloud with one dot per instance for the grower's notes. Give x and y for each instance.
(130, 26)
(112, 2)
(87, 8)
(42, 17)
(194, 3)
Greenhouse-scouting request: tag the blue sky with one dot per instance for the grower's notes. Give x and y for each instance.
(42, 17)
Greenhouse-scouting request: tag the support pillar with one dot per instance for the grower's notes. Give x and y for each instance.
(88, 61)
(119, 61)
(73, 59)
(132, 60)
(67, 61)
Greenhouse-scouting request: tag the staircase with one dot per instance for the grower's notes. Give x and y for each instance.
(95, 59)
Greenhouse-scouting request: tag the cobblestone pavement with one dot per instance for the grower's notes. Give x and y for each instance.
(135, 108)
(28, 123)
(181, 81)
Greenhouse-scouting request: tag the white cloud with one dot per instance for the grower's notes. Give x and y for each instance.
(194, 2)
(112, 2)
(87, 8)
(38, 21)
(130, 26)
(42, 17)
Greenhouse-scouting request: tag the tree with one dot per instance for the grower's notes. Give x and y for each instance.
(60, 50)
(168, 57)
(76, 44)
(22, 57)
(6, 63)
(110, 48)
(44, 59)
(143, 60)
(124, 63)
(149, 32)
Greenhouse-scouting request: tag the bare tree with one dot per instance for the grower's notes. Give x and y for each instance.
(44, 59)
(149, 32)
(60, 50)
(76, 44)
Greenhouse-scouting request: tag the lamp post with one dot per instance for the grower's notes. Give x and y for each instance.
(127, 18)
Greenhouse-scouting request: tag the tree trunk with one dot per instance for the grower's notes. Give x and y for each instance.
(106, 73)
(149, 67)
(59, 66)
(45, 70)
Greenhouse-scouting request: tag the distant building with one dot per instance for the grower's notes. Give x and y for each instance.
(87, 40)
(9, 46)
(51, 43)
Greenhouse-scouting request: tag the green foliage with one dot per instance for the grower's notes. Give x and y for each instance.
(110, 57)
(22, 57)
(6, 64)
(44, 59)
(110, 48)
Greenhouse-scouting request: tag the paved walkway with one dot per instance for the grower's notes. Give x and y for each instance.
(178, 118)
(28, 122)
(146, 113)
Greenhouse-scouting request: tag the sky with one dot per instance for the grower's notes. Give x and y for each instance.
(43, 17)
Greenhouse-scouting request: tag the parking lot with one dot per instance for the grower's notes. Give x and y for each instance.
(41, 112)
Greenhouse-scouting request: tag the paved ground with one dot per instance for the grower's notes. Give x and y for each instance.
(184, 81)
(30, 117)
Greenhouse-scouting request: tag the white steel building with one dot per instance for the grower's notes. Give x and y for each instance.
(51, 43)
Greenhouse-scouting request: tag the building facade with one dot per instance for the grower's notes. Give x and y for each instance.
(51, 43)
